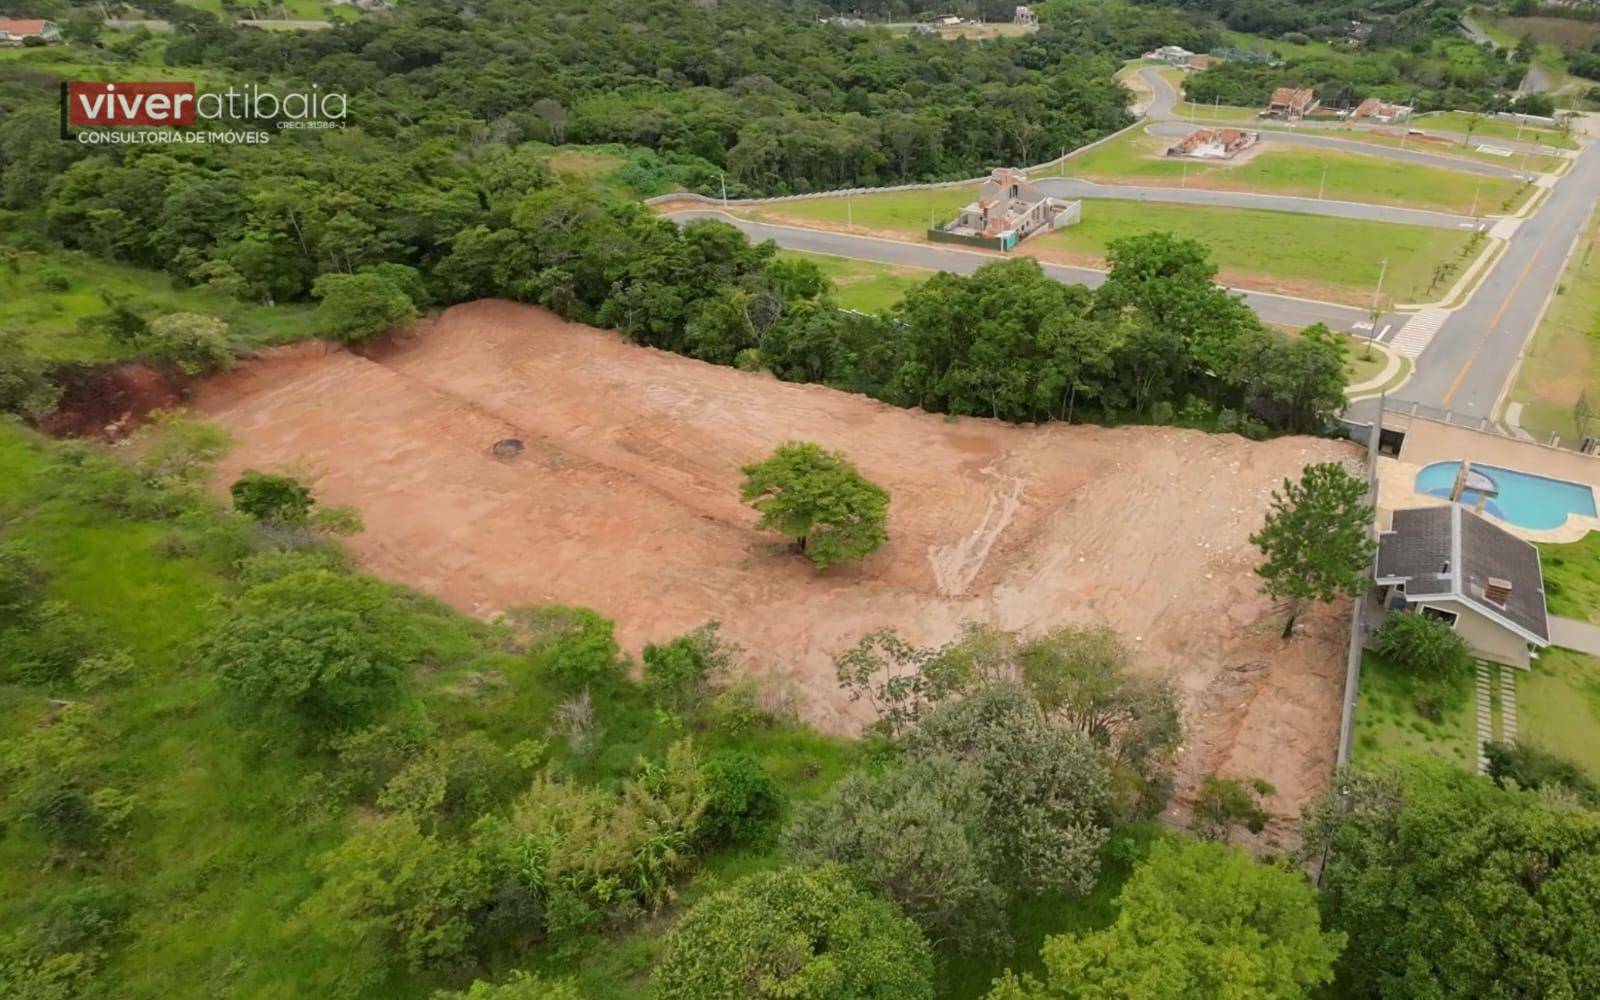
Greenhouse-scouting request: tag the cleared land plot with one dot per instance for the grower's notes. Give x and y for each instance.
(1269, 168)
(1292, 253)
(626, 500)
(1558, 706)
(1563, 360)
(1443, 145)
(1492, 128)
(864, 285)
(1389, 727)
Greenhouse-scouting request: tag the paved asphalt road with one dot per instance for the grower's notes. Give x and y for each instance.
(1470, 359)
(1073, 187)
(1165, 98)
(1272, 308)
(1418, 156)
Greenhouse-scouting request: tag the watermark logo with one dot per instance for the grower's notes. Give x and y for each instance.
(134, 112)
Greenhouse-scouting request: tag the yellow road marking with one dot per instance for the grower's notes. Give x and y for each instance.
(1490, 327)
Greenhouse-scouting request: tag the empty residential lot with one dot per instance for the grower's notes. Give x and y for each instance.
(626, 500)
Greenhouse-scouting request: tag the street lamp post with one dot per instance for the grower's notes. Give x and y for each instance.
(1323, 186)
(1383, 268)
(1475, 192)
(724, 178)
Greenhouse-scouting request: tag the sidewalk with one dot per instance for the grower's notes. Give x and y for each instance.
(1569, 633)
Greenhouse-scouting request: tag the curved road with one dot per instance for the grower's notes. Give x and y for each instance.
(1279, 309)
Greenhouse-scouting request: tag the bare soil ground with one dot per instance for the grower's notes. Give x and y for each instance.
(626, 500)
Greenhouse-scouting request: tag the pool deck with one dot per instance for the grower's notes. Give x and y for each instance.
(1429, 441)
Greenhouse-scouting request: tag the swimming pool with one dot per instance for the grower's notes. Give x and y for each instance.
(1525, 500)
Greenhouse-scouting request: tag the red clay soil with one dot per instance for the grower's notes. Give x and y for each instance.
(626, 500)
(110, 403)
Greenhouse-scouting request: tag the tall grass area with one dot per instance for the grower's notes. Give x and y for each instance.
(1270, 169)
(1562, 362)
(1558, 707)
(230, 812)
(1389, 728)
(49, 294)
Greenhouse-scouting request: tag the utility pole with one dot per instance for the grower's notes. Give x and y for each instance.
(1324, 185)
(1475, 192)
(724, 178)
(849, 215)
(1383, 269)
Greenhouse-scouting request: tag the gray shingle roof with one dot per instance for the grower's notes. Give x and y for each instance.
(1448, 551)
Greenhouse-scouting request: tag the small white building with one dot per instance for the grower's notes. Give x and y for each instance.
(1174, 55)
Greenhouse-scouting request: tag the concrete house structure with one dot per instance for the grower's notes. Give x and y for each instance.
(1288, 103)
(1007, 211)
(1456, 566)
(1214, 143)
(1375, 110)
(17, 31)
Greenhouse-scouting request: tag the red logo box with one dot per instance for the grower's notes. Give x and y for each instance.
(131, 103)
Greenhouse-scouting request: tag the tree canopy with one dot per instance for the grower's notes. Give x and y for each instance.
(817, 497)
(1196, 921)
(805, 934)
(1316, 539)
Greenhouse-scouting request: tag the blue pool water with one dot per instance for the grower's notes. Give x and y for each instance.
(1525, 500)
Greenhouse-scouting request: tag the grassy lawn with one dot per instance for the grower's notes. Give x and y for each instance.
(1363, 362)
(51, 317)
(1337, 176)
(905, 212)
(1538, 163)
(1572, 577)
(1388, 725)
(864, 285)
(1563, 360)
(1491, 129)
(1558, 706)
(1312, 254)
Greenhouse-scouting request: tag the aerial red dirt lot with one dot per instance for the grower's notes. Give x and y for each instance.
(626, 500)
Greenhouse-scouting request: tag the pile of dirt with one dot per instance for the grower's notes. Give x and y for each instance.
(625, 498)
(111, 402)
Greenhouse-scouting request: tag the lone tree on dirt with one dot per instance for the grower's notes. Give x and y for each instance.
(819, 499)
(1315, 539)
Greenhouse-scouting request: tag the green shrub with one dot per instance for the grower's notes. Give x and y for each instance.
(742, 799)
(1424, 644)
(195, 342)
(678, 674)
(575, 646)
(325, 646)
(804, 933)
